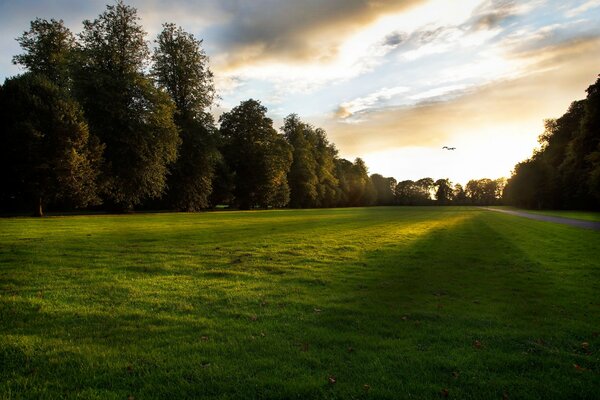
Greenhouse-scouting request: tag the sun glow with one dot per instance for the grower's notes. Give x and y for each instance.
(483, 153)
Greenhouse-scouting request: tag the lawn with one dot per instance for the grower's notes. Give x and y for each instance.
(401, 302)
(575, 214)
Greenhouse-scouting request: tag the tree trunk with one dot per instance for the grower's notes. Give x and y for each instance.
(38, 209)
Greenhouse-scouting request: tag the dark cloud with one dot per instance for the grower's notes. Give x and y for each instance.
(491, 14)
(394, 39)
(296, 29)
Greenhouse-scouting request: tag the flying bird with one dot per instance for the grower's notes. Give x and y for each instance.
(449, 148)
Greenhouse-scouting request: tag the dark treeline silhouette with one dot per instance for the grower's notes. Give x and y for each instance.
(426, 191)
(100, 120)
(565, 172)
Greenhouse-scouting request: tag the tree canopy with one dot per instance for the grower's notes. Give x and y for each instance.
(132, 117)
(47, 153)
(565, 171)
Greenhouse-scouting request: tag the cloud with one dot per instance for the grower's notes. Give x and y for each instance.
(586, 6)
(310, 30)
(376, 99)
(492, 13)
(521, 104)
(394, 39)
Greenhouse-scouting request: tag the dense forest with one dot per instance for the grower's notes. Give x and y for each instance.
(100, 120)
(565, 172)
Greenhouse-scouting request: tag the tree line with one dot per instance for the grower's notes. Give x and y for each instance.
(564, 173)
(101, 119)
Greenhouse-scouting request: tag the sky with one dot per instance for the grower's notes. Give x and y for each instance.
(390, 81)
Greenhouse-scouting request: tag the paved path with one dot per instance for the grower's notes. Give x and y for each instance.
(548, 218)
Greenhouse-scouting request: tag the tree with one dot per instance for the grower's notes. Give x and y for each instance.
(124, 109)
(458, 194)
(302, 177)
(407, 193)
(484, 191)
(343, 173)
(590, 136)
(47, 153)
(181, 68)
(258, 157)
(443, 193)
(355, 185)
(425, 188)
(48, 50)
(565, 171)
(384, 188)
(328, 191)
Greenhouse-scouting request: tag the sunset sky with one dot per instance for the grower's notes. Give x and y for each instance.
(390, 81)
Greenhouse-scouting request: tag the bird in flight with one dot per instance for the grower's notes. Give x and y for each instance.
(449, 148)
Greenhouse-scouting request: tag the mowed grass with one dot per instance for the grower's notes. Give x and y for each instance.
(575, 214)
(387, 302)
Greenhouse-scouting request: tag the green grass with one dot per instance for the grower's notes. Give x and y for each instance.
(583, 215)
(239, 305)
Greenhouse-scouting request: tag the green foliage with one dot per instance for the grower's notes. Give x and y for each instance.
(270, 304)
(565, 172)
(48, 50)
(409, 192)
(444, 193)
(47, 153)
(328, 191)
(124, 109)
(458, 194)
(302, 177)
(356, 187)
(384, 187)
(180, 67)
(485, 191)
(258, 157)
(406, 192)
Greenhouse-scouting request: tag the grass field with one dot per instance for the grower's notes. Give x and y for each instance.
(347, 303)
(583, 215)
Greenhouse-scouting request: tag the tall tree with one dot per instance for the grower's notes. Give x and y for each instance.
(302, 177)
(123, 108)
(46, 154)
(425, 189)
(258, 156)
(590, 126)
(181, 68)
(407, 193)
(48, 50)
(458, 194)
(484, 191)
(356, 187)
(328, 190)
(384, 188)
(443, 192)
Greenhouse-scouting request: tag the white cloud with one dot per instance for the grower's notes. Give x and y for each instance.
(588, 5)
(439, 92)
(372, 100)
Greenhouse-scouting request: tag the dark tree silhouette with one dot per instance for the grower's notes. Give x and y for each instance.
(443, 191)
(355, 185)
(384, 188)
(565, 171)
(46, 153)
(257, 155)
